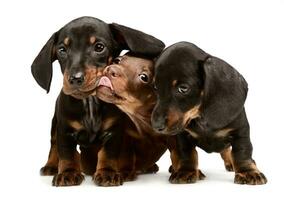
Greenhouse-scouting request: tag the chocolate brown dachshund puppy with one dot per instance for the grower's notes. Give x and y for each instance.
(128, 84)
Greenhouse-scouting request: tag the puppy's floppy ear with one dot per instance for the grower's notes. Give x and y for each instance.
(225, 92)
(42, 65)
(136, 41)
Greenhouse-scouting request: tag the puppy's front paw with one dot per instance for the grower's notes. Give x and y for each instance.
(181, 177)
(229, 167)
(106, 177)
(250, 178)
(48, 170)
(68, 178)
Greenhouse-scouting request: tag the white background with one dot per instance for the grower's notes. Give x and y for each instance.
(247, 34)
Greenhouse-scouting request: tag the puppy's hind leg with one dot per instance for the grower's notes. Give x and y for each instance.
(51, 166)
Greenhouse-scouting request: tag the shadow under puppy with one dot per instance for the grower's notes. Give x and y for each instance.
(83, 48)
(127, 83)
(205, 96)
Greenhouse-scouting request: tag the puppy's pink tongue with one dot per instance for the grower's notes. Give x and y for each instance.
(104, 81)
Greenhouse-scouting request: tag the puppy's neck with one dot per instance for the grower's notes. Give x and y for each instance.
(140, 112)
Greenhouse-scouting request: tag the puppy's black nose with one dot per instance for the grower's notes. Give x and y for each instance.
(76, 79)
(160, 128)
(159, 125)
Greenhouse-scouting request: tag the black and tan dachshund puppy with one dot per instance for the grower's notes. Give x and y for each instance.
(205, 96)
(127, 83)
(83, 48)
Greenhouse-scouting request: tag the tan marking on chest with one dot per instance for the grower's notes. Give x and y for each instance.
(66, 41)
(223, 132)
(107, 123)
(192, 133)
(76, 125)
(92, 39)
(191, 114)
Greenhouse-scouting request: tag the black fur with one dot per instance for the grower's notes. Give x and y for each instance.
(219, 91)
(79, 56)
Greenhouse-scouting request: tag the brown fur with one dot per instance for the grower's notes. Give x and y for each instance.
(137, 100)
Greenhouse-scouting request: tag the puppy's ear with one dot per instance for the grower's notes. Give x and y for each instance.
(225, 92)
(42, 65)
(136, 41)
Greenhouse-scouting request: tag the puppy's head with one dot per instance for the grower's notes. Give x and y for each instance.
(127, 82)
(83, 48)
(190, 84)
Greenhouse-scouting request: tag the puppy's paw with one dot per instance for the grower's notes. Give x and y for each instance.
(48, 170)
(250, 178)
(68, 178)
(181, 177)
(107, 177)
(229, 167)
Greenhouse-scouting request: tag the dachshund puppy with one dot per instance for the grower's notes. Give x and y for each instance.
(205, 96)
(83, 48)
(127, 83)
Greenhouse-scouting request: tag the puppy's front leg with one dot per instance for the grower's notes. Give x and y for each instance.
(184, 158)
(226, 155)
(107, 172)
(69, 172)
(245, 168)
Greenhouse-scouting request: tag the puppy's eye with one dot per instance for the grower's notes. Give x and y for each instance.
(62, 51)
(117, 60)
(183, 89)
(144, 78)
(99, 47)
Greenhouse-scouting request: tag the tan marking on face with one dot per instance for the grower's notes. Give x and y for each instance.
(173, 117)
(174, 83)
(76, 125)
(107, 123)
(92, 39)
(191, 114)
(66, 41)
(223, 132)
(91, 74)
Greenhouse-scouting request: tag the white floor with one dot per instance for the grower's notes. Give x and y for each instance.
(218, 184)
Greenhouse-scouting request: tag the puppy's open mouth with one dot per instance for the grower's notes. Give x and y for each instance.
(105, 90)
